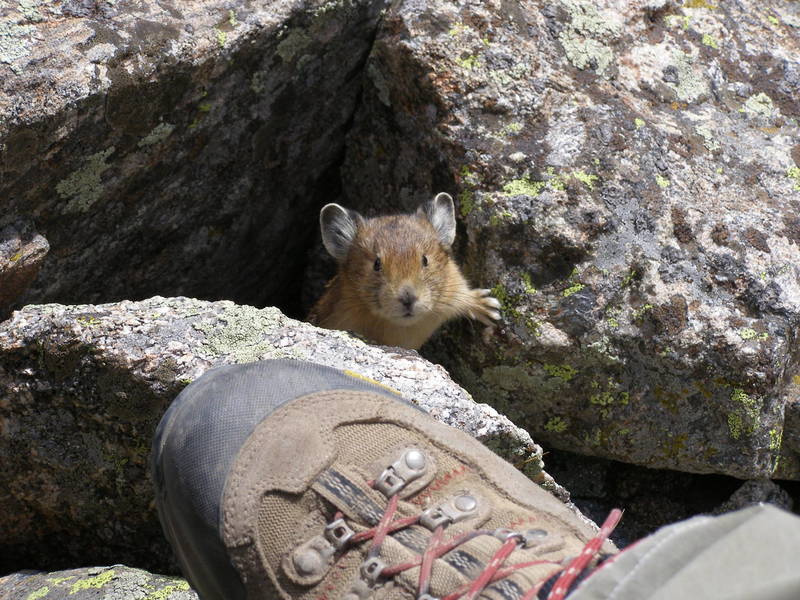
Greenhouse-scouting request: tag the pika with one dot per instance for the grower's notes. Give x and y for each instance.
(397, 281)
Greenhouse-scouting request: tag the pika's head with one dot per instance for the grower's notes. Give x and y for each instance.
(398, 266)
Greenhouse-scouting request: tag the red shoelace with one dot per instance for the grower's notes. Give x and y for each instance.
(494, 569)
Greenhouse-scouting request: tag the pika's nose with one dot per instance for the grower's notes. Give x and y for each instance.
(407, 298)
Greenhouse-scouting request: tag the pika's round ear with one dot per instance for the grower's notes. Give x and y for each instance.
(442, 215)
(338, 226)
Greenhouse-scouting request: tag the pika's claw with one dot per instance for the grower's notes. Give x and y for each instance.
(484, 307)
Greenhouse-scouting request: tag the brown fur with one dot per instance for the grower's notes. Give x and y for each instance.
(367, 302)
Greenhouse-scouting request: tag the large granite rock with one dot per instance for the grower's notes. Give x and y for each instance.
(22, 253)
(176, 147)
(628, 177)
(627, 184)
(82, 389)
(110, 583)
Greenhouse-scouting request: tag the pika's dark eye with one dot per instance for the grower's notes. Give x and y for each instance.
(377, 264)
(424, 261)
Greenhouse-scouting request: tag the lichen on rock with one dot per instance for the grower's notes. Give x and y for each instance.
(83, 187)
(652, 216)
(101, 376)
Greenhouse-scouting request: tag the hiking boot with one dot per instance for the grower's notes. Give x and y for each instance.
(284, 479)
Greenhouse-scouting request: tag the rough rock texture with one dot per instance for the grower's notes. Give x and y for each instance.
(22, 252)
(175, 147)
(756, 492)
(653, 498)
(110, 583)
(82, 389)
(628, 177)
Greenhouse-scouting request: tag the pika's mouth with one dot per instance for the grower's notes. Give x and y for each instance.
(406, 316)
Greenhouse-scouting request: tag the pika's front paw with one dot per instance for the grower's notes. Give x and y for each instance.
(484, 307)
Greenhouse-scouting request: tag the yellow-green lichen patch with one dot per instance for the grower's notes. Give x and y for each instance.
(84, 187)
(468, 62)
(638, 314)
(88, 321)
(775, 439)
(662, 181)
(678, 21)
(158, 134)
(38, 594)
(612, 322)
(468, 176)
(500, 293)
(14, 41)
(735, 426)
(97, 581)
(573, 289)
(500, 217)
(584, 53)
(523, 187)
(222, 37)
(240, 332)
(793, 173)
(759, 104)
(608, 397)
(700, 4)
(745, 416)
(457, 29)
(709, 41)
(746, 333)
(466, 202)
(232, 20)
(167, 591)
(563, 372)
(533, 325)
(691, 84)
(773, 19)
(584, 37)
(511, 129)
(629, 277)
(556, 425)
(554, 180)
(527, 284)
(709, 141)
(508, 307)
(585, 178)
(638, 122)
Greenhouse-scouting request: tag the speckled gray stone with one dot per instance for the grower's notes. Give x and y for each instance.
(628, 181)
(117, 582)
(82, 389)
(178, 147)
(22, 253)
